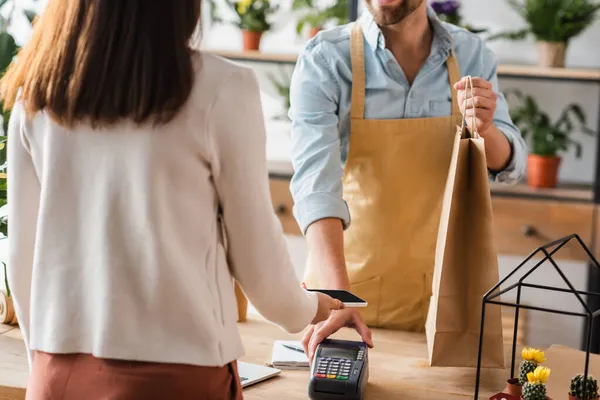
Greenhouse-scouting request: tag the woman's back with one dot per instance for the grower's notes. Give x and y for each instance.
(129, 259)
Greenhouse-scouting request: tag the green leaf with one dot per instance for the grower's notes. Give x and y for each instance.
(8, 49)
(511, 35)
(6, 278)
(30, 15)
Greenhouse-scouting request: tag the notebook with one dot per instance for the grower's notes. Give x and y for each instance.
(284, 358)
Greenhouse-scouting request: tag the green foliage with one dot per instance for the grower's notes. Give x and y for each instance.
(252, 15)
(524, 368)
(315, 18)
(578, 383)
(547, 138)
(283, 89)
(554, 21)
(534, 391)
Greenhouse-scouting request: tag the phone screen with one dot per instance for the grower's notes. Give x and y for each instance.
(341, 295)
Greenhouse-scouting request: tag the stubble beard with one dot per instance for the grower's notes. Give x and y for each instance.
(393, 15)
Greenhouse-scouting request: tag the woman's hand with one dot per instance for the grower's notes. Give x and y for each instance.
(326, 305)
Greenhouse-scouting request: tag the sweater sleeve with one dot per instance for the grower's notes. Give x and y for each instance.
(257, 251)
(23, 205)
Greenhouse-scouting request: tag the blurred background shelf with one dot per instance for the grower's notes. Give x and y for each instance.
(504, 70)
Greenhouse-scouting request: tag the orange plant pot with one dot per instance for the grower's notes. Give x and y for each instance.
(313, 32)
(513, 388)
(542, 171)
(251, 40)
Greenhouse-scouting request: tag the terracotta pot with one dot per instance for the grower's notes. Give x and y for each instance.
(251, 40)
(542, 171)
(551, 54)
(313, 32)
(7, 310)
(242, 303)
(513, 387)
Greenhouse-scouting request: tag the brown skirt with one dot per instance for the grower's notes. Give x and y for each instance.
(84, 377)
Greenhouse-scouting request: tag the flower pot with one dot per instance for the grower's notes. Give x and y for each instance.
(7, 310)
(513, 387)
(542, 171)
(251, 40)
(571, 397)
(313, 32)
(551, 54)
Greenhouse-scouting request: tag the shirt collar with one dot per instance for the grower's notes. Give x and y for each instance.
(442, 39)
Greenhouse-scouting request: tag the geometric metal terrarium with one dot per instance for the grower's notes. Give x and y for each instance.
(493, 297)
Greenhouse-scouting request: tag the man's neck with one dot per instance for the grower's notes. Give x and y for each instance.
(411, 36)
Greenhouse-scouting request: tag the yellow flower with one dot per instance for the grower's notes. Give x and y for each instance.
(540, 375)
(2, 175)
(243, 6)
(535, 355)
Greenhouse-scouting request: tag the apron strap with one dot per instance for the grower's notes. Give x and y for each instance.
(357, 54)
(454, 76)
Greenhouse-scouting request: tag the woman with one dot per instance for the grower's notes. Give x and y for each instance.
(126, 151)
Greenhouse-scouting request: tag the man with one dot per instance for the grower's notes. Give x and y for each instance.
(372, 104)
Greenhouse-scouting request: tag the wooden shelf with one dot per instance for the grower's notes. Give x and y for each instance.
(533, 71)
(257, 56)
(504, 70)
(576, 193)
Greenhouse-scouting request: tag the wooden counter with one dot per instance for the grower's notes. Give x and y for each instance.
(398, 370)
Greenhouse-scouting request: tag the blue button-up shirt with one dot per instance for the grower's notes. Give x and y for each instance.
(320, 106)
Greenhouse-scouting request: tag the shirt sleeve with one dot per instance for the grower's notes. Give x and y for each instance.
(515, 169)
(23, 207)
(316, 154)
(257, 252)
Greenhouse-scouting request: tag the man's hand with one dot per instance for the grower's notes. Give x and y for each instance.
(484, 100)
(348, 317)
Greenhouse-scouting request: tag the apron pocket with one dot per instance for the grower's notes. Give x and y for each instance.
(370, 291)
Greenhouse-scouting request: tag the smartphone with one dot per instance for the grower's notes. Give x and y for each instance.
(350, 300)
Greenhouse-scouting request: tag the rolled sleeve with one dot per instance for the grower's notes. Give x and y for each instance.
(316, 154)
(515, 169)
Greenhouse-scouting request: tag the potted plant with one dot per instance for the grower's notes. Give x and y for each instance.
(449, 11)
(252, 19)
(8, 49)
(578, 383)
(535, 387)
(531, 359)
(283, 89)
(552, 23)
(546, 138)
(316, 19)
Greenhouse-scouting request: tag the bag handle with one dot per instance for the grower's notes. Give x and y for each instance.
(475, 133)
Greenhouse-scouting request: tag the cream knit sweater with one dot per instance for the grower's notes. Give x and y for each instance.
(115, 245)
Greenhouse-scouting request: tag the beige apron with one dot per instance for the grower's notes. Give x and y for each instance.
(394, 181)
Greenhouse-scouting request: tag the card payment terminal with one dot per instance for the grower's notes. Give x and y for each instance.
(340, 370)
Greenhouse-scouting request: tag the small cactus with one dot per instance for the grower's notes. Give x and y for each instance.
(525, 368)
(534, 391)
(578, 383)
(535, 387)
(531, 359)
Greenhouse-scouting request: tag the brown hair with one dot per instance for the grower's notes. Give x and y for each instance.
(105, 60)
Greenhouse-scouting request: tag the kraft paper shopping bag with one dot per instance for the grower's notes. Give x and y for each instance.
(466, 264)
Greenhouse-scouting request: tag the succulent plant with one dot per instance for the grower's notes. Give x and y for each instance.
(525, 368)
(535, 387)
(534, 391)
(531, 359)
(578, 383)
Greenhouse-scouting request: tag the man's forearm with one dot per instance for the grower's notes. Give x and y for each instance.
(325, 240)
(497, 149)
